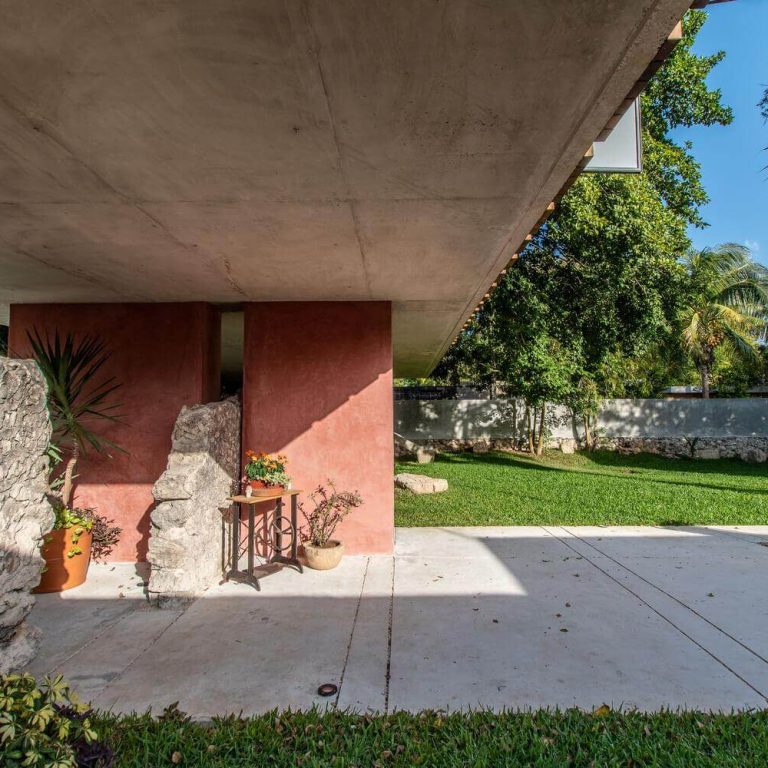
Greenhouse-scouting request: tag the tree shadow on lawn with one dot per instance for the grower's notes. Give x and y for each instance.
(608, 459)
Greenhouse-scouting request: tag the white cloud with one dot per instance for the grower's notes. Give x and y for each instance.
(753, 245)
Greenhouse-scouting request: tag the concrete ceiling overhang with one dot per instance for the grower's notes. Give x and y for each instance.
(299, 149)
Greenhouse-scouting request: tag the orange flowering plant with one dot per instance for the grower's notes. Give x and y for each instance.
(265, 468)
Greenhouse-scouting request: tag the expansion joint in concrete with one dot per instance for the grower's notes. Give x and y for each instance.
(179, 613)
(651, 607)
(389, 637)
(352, 631)
(669, 595)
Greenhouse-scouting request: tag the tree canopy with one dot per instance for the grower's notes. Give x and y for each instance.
(728, 306)
(603, 282)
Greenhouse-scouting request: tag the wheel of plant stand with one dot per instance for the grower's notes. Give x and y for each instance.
(286, 530)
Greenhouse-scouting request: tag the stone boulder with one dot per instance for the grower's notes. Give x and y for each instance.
(753, 455)
(420, 484)
(25, 514)
(568, 446)
(185, 544)
(425, 455)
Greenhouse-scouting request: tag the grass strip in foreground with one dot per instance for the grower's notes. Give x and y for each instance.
(543, 738)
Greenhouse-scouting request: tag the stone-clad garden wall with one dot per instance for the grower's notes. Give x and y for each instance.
(701, 428)
(25, 514)
(186, 546)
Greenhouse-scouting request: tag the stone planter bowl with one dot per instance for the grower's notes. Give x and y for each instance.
(324, 558)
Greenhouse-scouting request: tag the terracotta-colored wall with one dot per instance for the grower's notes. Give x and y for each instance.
(165, 356)
(318, 387)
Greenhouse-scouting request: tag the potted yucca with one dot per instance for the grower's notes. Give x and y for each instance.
(78, 397)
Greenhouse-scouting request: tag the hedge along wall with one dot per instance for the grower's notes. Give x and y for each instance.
(725, 426)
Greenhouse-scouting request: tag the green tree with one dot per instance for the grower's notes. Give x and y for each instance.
(602, 284)
(728, 306)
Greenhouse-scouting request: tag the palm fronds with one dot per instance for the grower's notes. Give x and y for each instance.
(729, 305)
(76, 396)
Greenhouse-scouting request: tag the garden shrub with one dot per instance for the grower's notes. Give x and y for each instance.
(46, 726)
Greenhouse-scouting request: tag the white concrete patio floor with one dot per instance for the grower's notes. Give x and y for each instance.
(461, 617)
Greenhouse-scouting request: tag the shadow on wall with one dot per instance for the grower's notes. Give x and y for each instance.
(721, 417)
(163, 356)
(505, 419)
(317, 386)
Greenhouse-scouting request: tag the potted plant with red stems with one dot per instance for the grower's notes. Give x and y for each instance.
(329, 508)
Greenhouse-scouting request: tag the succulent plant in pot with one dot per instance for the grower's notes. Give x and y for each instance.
(78, 535)
(329, 508)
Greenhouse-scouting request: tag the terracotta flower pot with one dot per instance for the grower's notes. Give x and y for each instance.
(260, 488)
(62, 572)
(324, 558)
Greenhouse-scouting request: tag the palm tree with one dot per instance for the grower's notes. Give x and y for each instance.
(728, 305)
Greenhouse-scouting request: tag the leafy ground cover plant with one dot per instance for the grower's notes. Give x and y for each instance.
(46, 726)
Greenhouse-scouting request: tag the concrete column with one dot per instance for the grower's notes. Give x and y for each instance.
(165, 356)
(317, 386)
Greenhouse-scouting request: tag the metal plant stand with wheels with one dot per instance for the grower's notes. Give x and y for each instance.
(278, 529)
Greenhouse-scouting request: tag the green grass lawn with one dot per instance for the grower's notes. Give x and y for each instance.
(600, 488)
(552, 739)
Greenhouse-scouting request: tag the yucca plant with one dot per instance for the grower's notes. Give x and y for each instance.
(77, 396)
(728, 306)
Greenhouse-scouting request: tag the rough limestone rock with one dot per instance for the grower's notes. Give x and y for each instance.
(420, 484)
(708, 453)
(25, 514)
(482, 446)
(568, 446)
(185, 544)
(425, 455)
(753, 455)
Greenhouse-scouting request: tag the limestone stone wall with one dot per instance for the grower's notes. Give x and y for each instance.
(186, 541)
(25, 514)
(475, 445)
(750, 449)
(706, 429)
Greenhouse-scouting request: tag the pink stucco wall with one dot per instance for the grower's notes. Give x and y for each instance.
(318, 387)
(165, 356)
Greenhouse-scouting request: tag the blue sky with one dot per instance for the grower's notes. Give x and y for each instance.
(733, 157)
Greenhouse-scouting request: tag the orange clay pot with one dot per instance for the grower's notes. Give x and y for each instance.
(62, 572)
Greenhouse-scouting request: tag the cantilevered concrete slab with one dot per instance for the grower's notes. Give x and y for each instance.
(299, 150)
(459, 618)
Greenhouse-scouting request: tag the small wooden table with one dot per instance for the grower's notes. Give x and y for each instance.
(277, 558)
